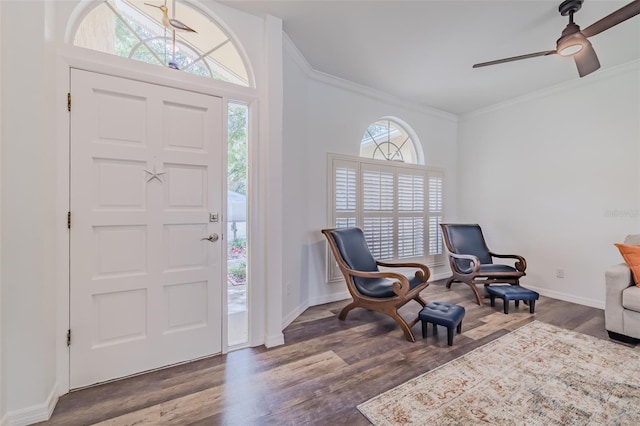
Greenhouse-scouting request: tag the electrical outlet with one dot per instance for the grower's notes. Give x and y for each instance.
(559, 273)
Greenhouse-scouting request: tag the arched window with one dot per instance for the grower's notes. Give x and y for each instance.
(144, 31)
(387, 139)
(390, 194)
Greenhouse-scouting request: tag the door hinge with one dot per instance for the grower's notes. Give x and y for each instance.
(68, 220)
(69, 337)
(68, 101)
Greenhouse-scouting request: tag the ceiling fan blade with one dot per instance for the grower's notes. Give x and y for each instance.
(586, 60)
(613, 19)
(515, 58)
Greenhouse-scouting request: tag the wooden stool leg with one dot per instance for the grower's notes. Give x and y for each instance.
(459, 327)
(424, 329)
(506, 305)
(517, 303)
(532, 306)
(493, 300)
(435, 328)
(450, 336)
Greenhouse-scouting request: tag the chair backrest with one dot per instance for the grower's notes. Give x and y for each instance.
(462, 238)
(352, 248)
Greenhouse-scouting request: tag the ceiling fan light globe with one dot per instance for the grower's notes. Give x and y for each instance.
(571, 49)
(571, 42)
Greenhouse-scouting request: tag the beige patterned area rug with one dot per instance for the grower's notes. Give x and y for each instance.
(537, 375)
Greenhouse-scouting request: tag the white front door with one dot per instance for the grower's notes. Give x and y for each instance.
(146, 173)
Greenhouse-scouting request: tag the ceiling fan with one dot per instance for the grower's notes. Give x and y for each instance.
(573, 41)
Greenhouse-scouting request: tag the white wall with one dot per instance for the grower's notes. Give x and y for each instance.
(272, 176)
(2, 369)
(554, 176)
(540, 187)
(27, 179)
(324, 114)
(34, 167)
(295, 178)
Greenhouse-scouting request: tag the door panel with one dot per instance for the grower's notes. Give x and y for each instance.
(145, 173)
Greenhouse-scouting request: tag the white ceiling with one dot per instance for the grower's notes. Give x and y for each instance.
(423, 50)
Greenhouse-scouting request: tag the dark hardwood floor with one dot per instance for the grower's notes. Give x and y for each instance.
(326, 368)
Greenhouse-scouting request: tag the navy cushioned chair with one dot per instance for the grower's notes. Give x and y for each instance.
(471, 260)
(370, 288)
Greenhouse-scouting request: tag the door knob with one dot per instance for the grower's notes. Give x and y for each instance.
(212, 238)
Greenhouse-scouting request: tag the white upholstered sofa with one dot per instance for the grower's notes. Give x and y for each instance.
(622, 305)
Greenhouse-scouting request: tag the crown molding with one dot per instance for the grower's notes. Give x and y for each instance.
(293, 53)
(301, 62)
(633, 66)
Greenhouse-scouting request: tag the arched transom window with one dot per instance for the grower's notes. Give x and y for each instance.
(386, 139)
(390, 194)
(163, 32)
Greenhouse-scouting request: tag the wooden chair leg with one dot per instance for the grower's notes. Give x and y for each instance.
(420, 300)
(476, 293)
(414, 322)
(408, 334)
(345, 310)
(532, 306)
(449, 282)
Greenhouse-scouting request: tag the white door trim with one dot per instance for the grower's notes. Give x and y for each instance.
(136, 246)
(70, 57)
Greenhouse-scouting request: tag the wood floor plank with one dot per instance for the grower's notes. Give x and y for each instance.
(205, 403)
(325, 369)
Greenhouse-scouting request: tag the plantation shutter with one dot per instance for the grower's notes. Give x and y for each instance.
(411, 194)
(434, 214)
(378, 205)
(345, 194)
(398, 206)
(344, 204)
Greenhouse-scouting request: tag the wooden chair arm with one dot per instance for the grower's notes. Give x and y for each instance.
(423, 274)
(399, 287)
(475, 262)
(521, 263)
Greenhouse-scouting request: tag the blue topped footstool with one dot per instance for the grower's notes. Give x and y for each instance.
(512, 292)
(444, 314)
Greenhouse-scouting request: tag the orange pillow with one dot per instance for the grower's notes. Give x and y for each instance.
(631, 255)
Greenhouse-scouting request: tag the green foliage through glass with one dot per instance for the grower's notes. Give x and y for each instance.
(237, 149)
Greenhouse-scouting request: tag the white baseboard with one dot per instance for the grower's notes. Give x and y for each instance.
(328, 298)
(274, 340)
(343, 295)
(334, 297)
(440, 276)
(599, 304)
(35, 413)
(294, 314)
